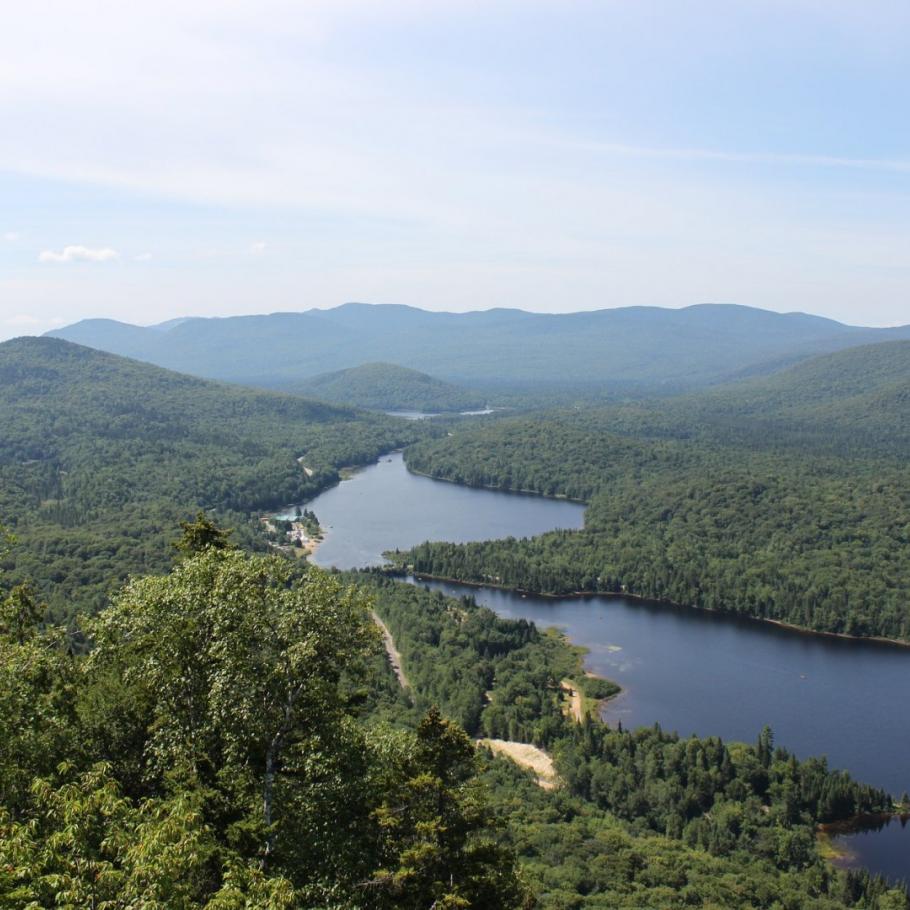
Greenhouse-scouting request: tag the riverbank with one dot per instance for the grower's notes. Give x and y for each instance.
(302, 541)
(866, 822)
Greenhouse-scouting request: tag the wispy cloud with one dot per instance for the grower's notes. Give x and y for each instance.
(79, 254)
(258, 248)
(11, 236)
(893, 165)
(142, 257)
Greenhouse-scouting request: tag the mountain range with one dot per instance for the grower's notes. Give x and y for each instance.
(623, 348)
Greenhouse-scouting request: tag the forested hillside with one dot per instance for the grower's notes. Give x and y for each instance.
(387, 387)
(626, 349)
(797, 511)
(227, 733)
(854, 402)
(100, 457)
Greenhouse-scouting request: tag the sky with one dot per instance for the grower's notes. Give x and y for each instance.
(169, 159)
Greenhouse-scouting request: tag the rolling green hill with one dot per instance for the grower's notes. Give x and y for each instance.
(387, 387)
(860, 396)
(622, 350)
(853, 401)
(101, 456)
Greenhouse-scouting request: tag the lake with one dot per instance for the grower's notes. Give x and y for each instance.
(689, 670)
(384, 506)
(426, 415)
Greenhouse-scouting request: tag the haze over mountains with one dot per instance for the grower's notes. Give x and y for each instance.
(630, 347)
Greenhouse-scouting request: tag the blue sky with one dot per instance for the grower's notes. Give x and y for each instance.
(169, 159)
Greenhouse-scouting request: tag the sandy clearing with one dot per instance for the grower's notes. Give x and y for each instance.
(527, 756)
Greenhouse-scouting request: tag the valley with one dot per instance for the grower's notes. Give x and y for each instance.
(441, 497)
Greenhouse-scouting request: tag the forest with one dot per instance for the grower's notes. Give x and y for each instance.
(234, 738)
(772, 510)
(100, 457)
(209, 752)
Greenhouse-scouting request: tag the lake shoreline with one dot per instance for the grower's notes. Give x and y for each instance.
(835, 845)
(662, 602)
(558, 497)
(772, 676)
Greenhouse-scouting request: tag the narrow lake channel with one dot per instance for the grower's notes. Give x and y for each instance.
(690, 671)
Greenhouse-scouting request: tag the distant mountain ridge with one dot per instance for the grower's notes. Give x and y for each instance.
(387, 387)
(626, 347)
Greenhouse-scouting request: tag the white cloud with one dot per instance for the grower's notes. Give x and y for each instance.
(142, 257)
(79, 254)
(11, 236)
(258, 248)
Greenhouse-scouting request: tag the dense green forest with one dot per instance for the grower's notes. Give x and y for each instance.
(100, 457)
(853, 403)
(227, 732)
(387, 387)
(234, 739)
(798, 511)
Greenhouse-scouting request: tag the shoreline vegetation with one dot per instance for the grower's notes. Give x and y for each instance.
(583, 695)
(397, 569)
(303, 532)
(831, 846)
(581, 706)
(793, 514)
(497, 488)
(101, 457)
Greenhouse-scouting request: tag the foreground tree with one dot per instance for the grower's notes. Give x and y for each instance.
(437, 847)
(204, 754)
(202, 534)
